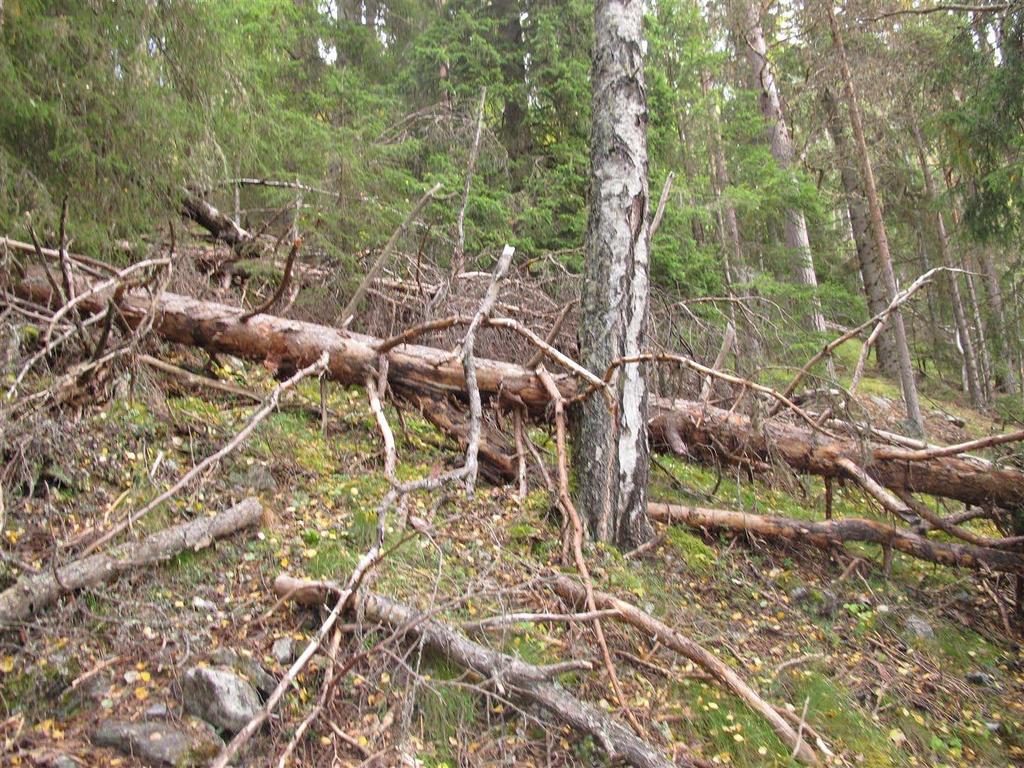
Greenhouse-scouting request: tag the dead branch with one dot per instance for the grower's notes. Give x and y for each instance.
(509, 675)
(569, 510)
(711, 434)
(31, 594)
(878, 321)
(459, 251)
(281, 288)
(670, 638)
(271, 403)
(374, 272)
(197, 380)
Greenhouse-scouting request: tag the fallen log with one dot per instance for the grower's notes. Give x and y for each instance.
(510, 675)
(830, 533)
(703, 431)
(574, 592)
(219, 224)
(31, 594)
(730, 437)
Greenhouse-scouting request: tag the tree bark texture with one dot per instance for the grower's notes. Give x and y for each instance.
(718, 436)
(31, 594)
(899, 332)
(829, 533)
(222, 226)
(706, 432)
(867, 254)
(781, 145)
(612, 455)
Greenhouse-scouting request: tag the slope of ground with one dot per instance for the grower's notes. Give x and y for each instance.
(913, 668)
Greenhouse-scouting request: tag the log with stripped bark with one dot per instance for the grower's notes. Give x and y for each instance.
(703, 431)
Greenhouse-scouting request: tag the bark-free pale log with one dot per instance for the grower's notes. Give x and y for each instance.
(707, 432)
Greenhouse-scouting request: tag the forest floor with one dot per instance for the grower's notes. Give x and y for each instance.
(913, 668)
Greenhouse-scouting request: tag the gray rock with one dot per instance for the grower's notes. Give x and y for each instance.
(157, 743)
(879, 401)
(919, 628)
(219, 697)
(64, 761)
(823, 602)
(828, 605)
(981, 679)
(283, 650)
(255, 477)
(156, 711)
(248, 667)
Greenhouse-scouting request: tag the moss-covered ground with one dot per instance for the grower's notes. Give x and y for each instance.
(829, 643)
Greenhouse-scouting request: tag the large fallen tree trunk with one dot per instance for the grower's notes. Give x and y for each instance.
(731, 437)
(704, 431)
(829, 533)
(33, 593)
(511, 676)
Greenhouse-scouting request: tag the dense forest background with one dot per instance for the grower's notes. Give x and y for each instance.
(121, 106)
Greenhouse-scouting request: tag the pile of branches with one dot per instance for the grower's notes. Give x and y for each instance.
(485, 403)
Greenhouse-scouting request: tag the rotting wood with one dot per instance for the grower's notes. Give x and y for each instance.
(831, 533)
(510, 675)
(31, 594)
(710, 433)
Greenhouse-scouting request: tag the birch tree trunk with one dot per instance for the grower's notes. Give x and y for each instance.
(860, 225)
(611, 450)
(781, 146)
(959, 315)
(899, 332)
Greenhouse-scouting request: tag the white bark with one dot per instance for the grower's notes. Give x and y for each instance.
(612, 454)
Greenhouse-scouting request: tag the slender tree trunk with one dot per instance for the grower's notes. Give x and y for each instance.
(934, 334)
(1005, 369)
(959, 315)
(514, 135)
(906, 367)
(732, 245)
(860, 226)
(985, 362)
(611, 450)
(782, 150)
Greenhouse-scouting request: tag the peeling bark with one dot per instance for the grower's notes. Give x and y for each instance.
(612, 454)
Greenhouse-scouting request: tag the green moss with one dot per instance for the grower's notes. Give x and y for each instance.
(697, 555)
(833, 710)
